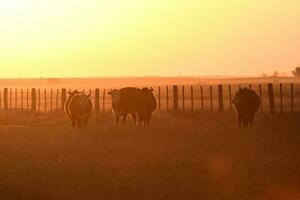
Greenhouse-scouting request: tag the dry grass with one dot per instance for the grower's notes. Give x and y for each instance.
(179, 157)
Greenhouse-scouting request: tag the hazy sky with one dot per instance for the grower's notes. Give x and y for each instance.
(40, 38)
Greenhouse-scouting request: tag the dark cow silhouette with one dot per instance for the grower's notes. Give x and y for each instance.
(246, 103)
(67, 103)
(133, 101)
(125, 102)
(78, 108)
(147, 105)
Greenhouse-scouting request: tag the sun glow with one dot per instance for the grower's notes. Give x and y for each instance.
(150, 37)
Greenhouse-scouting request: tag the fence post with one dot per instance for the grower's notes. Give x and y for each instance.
(271, 98)
(22, 100)
(51, 100)
(45, 96)
(211, 97)
(292, 99)
(39, 100)
(260, 97)
(57, 97)
(27, 100)
(16, 98)
(281, 98)
(221, 104)
(167, 91)
(192, 99)
(5, 99)
(63, 98)
(103, 101)
(183, 99)
(10, 99)
(159, 104)
(33, 100)
(175, 97)
(97, 105)
(201, 92)
(230, 98)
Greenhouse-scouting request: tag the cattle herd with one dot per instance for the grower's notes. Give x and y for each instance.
(140, 103)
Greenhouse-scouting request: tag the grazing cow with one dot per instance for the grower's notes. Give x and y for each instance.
(147, 105)
(246, 103)
(124, 102)
(67, 103)
(79, 109)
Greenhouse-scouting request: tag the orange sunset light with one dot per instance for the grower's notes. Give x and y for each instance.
(69, 38)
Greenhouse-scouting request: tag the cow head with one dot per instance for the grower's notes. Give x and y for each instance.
(237, 100)
(73, 93)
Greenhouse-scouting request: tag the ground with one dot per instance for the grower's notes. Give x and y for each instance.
(204, 156)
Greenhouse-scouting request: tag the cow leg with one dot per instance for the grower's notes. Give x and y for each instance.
(240, 121)
(79, 123)
(245, 122)
(134, 118)
(140, 120)
(124, 118)
(73, 123)
(251, 119)
(86, 121)
(117, 117)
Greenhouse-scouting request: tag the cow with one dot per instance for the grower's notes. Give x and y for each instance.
(147, 105)
(67, 103)
(246, 103)
(79, 108)
(125, 102)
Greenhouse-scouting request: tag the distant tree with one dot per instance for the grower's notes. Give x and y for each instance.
(264, 75)
(296, 72)
(275, 74)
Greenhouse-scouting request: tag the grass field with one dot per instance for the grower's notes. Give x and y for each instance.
(178, 157)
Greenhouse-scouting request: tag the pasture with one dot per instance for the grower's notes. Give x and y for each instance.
(203, 155)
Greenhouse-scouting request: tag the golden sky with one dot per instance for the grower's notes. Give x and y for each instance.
(56, 38)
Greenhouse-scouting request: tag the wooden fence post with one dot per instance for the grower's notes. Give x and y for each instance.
(22, 100)
(33, 100)
(27, 100)
(260, 97)
(63, 98)
(281, 98)
(292, 99)
(192, 99)
(97, 103)
(175, 97)
(159, 103)
(201, 93)
(45, 96)
(103, 101)
(271, 98)
(16, 98)
(10, 99)
(183, 99)
(167, 93)
(5, 99)
(211, 97)
(39, 100)
(221, 104)
(230, 98)
(51, 100)
(57, 97)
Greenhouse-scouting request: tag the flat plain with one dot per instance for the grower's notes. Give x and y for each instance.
(180, 156)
